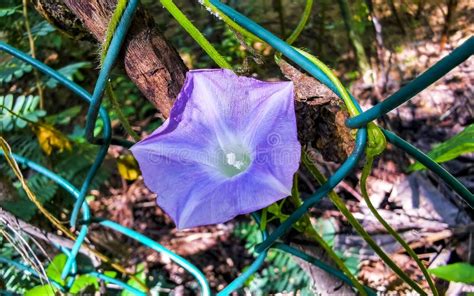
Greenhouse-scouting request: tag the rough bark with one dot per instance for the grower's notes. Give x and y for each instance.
(319, 118)
(151, 63)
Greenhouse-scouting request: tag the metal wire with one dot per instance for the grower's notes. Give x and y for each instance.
(269, 240)
(435, 72)
(74, 192)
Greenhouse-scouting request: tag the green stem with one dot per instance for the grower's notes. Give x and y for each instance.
(112, 26)
(351, 108)
(302, 23)
(299, 28)
(391, 231)
(339, 203)
(116, 106)
(230, 22)
(113, 23)
(2, 107)
(311, 233)
(354, 38)
(263, 219)
(195, 34)
(31, 42)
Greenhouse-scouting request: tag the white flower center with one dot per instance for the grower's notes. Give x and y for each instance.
(234, 161)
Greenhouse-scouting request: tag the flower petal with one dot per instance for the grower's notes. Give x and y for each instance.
(228, 148)
(241, 195)
(232, 104)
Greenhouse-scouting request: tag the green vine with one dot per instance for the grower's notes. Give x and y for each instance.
(376, 140)
(339, 203)
(112, 26)
(311, 233)
(195, 34)
(229, 21)
(363, 187)
(116, 106)
(302, 23)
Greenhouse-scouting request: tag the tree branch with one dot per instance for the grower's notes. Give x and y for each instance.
(151, 63)
(8, 219)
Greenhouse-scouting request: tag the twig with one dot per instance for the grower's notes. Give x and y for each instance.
(18, 224)
(434, 237)
(32, 197)
(352, 191)
(33, 52)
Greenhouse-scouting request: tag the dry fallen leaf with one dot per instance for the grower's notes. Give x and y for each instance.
(128, 167)
(50, 138)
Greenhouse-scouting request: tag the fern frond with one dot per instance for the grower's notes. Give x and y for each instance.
(18, 112)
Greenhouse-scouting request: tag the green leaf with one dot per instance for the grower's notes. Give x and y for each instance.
(111, 274)
(13, 280)
(74, 165)
(24, 109)
(282, 273)
(42, 29)
(352, 261)
(140, 275)
(63, 117)
(45, 290)
(55, 268)
(6, 11)
(68, 71)
(25, 143)
(456, 272)
(327, 229)
(459, 144)
(275, 210)
(13, 68)
(84, 281)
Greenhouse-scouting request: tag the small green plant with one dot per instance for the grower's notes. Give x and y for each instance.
(53, 271)
(460, 144)
(11, 279)
(17, 113)
(12, 69)
(460, 272)
(281, 272)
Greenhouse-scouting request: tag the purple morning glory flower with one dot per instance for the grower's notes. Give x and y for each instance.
(228, 148)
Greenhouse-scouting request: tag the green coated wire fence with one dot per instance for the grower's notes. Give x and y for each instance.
(362, 121)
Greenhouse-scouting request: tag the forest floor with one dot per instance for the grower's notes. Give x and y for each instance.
(424, 210)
